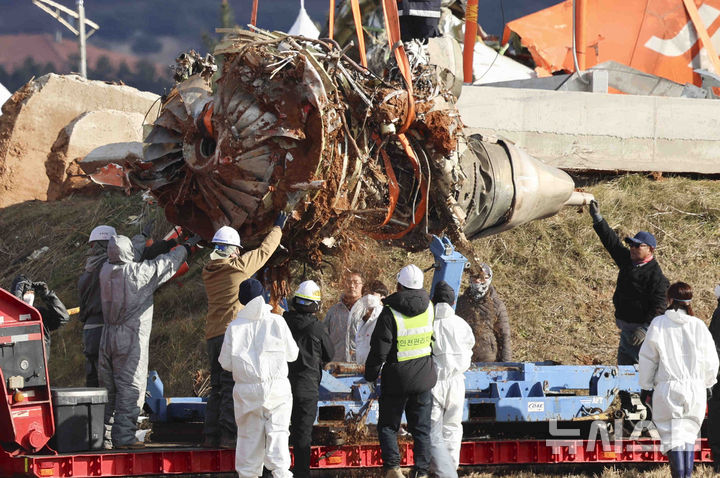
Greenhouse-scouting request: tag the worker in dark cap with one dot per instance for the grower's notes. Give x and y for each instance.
(640, 293)
(256, 350)
(452, 351)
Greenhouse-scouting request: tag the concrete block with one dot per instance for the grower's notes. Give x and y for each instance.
(83, 135)
(36, 114)
(111, 153)
(596, 131)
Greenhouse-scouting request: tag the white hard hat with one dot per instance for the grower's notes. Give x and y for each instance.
(411, 277)
(102, 233)
(227, 235)
(308, 290)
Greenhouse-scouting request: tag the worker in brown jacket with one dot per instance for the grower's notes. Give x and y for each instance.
(222, 277)
(482, 308)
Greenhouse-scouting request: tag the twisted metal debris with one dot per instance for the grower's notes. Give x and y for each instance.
(294, 124)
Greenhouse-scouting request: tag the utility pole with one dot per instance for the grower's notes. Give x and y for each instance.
(54, 9)
(81, 28)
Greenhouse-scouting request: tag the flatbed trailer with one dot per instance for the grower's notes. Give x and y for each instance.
(176, 460)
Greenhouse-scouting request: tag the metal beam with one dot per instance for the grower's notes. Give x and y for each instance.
(702, 32)
(55, 14)
(63, 9)
(54, 9)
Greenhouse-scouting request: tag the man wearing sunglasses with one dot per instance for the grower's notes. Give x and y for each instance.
(640, 291)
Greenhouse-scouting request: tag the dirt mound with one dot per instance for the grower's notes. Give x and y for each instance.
(34, 117)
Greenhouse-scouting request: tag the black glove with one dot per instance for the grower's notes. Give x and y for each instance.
(646, 397)
(638, 336)
(148, 228)
(281, 219)
(595, 212)
(41, 288)
(191, 242)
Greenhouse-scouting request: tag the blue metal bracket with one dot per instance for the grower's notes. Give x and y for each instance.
(176, 409)
(501, 392)
(449, 264)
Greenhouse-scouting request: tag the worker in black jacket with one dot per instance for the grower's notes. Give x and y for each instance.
(419, 19)
(402, 342)
(53, 311)
(90, 305)
(640, 293)
(305, 373)
(714, 399)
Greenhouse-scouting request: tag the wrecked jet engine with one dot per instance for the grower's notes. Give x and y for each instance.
(294, 124)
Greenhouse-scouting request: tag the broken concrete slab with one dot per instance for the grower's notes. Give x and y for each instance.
(84, 134)
(596, 131)
(111, 153)
(33, 118)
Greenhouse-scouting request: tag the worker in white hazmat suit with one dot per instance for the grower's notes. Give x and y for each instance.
(126, 292)
(678, 362)
(257, 348)
(452, 350)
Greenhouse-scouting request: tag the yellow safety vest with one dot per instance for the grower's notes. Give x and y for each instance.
(414, 334)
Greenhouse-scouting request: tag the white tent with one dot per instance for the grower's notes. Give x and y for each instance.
(4, 95)
(304, 25)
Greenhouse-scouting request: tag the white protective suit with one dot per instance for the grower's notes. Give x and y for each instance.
(452, 351)
(126, 293)
(361, 331)
(679, 361)
(257, 347)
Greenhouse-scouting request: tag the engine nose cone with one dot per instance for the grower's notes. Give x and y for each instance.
(510, 188)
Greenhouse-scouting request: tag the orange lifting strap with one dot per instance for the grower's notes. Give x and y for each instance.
(471, 16)
(253, 17)
(392, 27)
(422, 206)
(393, 187)
(331, 21)
(357, 18)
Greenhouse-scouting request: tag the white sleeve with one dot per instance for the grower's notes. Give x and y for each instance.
(711, 358)
(649, 357)
(161, 269)
(225, 357)
(467, 344)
